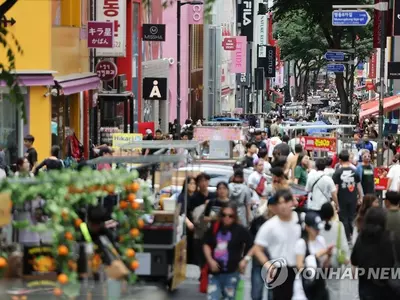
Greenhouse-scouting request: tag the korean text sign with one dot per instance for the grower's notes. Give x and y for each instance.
(311, 143)
(100, 34)
(381, 179)
(114, 12)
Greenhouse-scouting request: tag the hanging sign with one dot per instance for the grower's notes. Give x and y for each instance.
(154, 88)
(154, 32)
(106, 70)
(380, 177)
(100, 34)
(311, 143)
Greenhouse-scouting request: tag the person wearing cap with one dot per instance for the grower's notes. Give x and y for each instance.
(279, 235)
(311, 252)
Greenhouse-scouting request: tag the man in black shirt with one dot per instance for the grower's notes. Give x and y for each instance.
(258, 140)
(30, 154)
(249, 158)
(349, 192)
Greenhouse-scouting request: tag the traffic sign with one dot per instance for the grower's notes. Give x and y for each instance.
(334, 56)
(350, 18)
(335, 68)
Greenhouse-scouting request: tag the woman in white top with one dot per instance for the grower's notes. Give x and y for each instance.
(23, 168)
(317, 248)
(334, 234)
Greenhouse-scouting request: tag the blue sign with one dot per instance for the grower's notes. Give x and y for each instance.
(350, 18)
(335, 68)
(339, 56)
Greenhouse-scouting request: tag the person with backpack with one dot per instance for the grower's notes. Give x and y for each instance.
(311, 252)
(53, 162)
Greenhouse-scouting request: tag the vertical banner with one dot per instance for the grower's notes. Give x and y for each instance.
(246, 18)
(372, 66)
(396, 21)
(239, 55)
(113, 11)
(262, 35)
(271, 40)
(269, 62)
(378, 24)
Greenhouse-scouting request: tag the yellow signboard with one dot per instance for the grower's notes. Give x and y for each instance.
(179, 264)
(122, 139)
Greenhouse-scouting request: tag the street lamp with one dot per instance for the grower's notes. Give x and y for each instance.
(179, 4)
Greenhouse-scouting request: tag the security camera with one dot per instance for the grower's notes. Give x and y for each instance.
(54, 92)
(171, 61)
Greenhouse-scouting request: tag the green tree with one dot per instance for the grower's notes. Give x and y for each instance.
(318, 14)
(12, 47)
(302, 45)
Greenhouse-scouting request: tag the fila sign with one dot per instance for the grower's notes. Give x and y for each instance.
(154, 88)
(246, 18)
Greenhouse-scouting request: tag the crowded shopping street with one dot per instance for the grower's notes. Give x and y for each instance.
(212, 149)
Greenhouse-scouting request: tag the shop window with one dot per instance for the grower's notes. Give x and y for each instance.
(60, 122)
(197, 47)
(10, 131)
(68, 13)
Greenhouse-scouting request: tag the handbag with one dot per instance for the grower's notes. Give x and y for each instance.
(340, 255)
(261, 186)
(393, 282)
(204, 270)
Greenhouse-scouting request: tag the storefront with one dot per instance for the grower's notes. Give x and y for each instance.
(371, 108)
(67, 107)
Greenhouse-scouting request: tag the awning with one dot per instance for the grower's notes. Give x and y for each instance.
(33, 78)
(225, 91)
(76, 83)
(389, 104)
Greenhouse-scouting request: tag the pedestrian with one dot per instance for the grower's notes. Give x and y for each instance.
(53, 162)
(213, 206)
(394, 175)
(240, 194)
(366, 172)
(279, 235)
(105, 152)
(263, 154)
(251, 155)
(349, 192)
(368, 201)
(392, 203)
(292, 161)
(23, 168)
(312, 252)
(226, 245)
(301, 170)
(257, 181)
(31, 153)
(320, 187)
(373, 251)
(334, 234)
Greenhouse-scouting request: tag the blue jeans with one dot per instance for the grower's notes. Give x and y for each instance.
(257, 283)
(222, 286)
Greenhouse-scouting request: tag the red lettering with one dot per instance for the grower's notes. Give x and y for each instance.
(116, 27)
(111, 8)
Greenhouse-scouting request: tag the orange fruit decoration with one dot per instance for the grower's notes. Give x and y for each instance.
(110, 188)
(78, 222)
(123, 204)
(63, 250)
(121, 239)
(135, 187)
(72, 265)
(135, 205)
(131, 197)
(62, 278)
(3, 262)
(134, 232)
(130, 253)
(68, 236)
(64, 215)
(57, 292)
(134, 265)
(140, 223)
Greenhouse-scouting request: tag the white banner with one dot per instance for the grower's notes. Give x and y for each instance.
(113, 11)
(262, 35)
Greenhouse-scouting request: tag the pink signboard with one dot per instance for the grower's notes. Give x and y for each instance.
(239, 55)
(100, 34)
(195, 13)
(212, 134)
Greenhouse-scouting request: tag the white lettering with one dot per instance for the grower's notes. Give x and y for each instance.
(247, 13)
(155, 91)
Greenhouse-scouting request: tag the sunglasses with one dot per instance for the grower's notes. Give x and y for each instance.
(228, 216)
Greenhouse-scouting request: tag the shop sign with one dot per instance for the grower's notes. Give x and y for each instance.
(122, 139)
(262, 35)
(370, 86)
(106, 70)
(216, 134)
(154, 32)
(396, 25)
(393, 70)
(380, 177)
(113, 11)
(229, 44)
(239, 55)
(268, 62)
(154, 88)
(246, 18)
(311, 143)
(100, 34)
(195, 14)
(39, 266)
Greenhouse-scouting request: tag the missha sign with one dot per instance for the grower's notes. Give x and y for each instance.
(195, 14)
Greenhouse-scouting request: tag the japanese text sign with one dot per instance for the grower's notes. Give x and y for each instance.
(122, 139)
(311, 143)
(380, 178)
(100, 34)
(114, 12)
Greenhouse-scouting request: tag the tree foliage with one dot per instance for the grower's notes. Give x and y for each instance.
(7, 69)
(317, 15)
